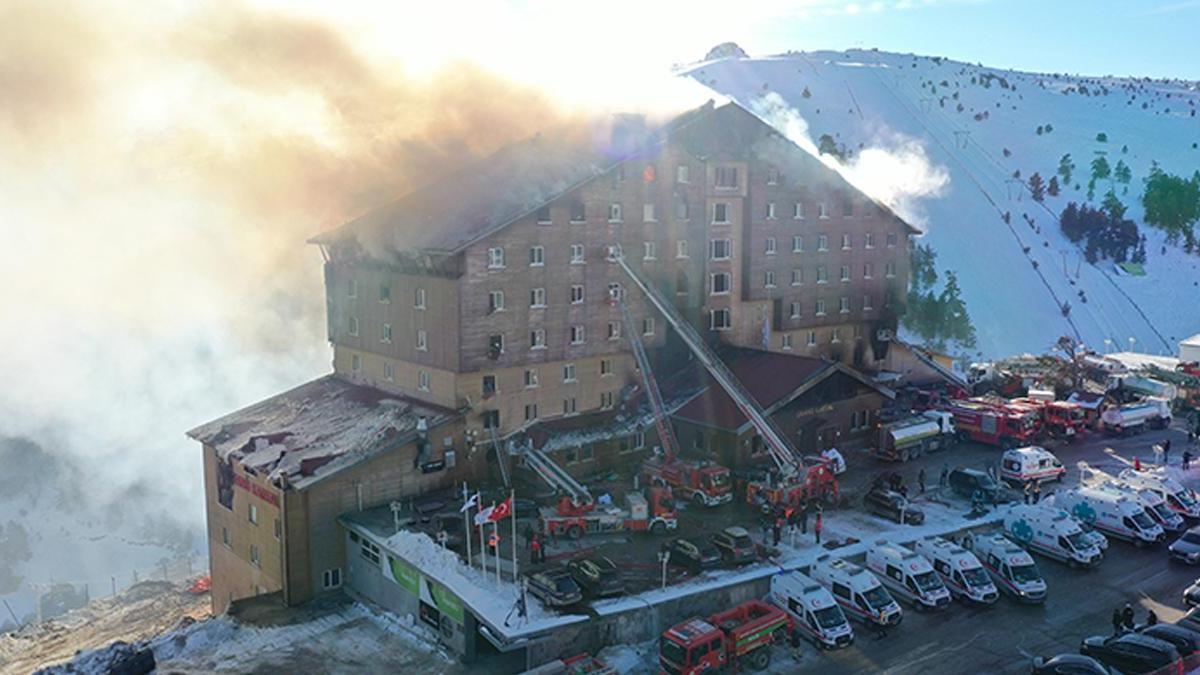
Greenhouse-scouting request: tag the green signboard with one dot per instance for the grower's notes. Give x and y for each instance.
(447, 603)
(404, 574)
(431, 592)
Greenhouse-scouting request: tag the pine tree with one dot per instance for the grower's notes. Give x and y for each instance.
(1052, 186)
(1037, 189)
(1101, 137)
(1066, 167)
(1100, 168)
(827, 146)
(806, 93)
(1122, 173)
(1172, 204)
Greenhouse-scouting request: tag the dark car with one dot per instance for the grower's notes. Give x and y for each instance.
(597, 576)
(1191, 620)
(893, 506)
(1187, 547)
(555, 587)
(735, 545)
(1185, 640)
(1130, 652)
(965, 482)
(1191, 594)
(1069, 664)
(695, 554)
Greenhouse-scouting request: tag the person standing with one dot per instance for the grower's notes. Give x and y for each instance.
(921, 481)
(1116, 621)
(944, 476)
(536, 554)
(1127, 617)
(1037, 493)
(1166, 446)
(777, 529)
(1151, 617)
(1028, 492)
(1187, 459)
(817, 528)
(881, 626)
(804, 517)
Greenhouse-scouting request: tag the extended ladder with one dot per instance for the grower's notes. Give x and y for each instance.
(500, 456)
(555, 475)
(779, 449)
(666, 434)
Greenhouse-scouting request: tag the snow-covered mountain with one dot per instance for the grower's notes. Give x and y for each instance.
(969, 129)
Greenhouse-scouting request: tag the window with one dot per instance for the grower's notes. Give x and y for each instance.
(649, 213)
(578, 213)
(843, 305)
(614, 330)
(389, 371)
(822, 211)
(385, 333)
(822, 242)
(726, 177)
(606, 367)
(769, 279)
(495, 258)
(419, 298)
(613, 252)
(569, 372)
(385, 293)
(812, 338)
(531, 412)
(681, 249)
(719, 319)
(537, 256)
(331, 578)
(531, 378)
(569, 407)
(537, 297)
(537, 339)
(578, 335)
(771, 211)
(422, 341)
(648, 326)
(795, 310)
(495, 302)
(369, 551)
(720, 283)
(820, 308)
(821, 276)
(488, 385)
(649, 250)
(891, 240)
(797, 244)
(682, 173)
(577, 254)
(797, 277)
(255, 558)
(225, 538)
(845, 242)
(845, 273)
(847, 208)
(352, 288)
(576, 295)
(770, 247)
(868, 270)
(353, 327)
(355, 364)
(772, 176)
(719, 249)
(615, 292)
(682, 211)
(720, 213)
(543, 216)
(890, 270)
(868, 305)
(785, 342)
(835, 335)
(798, 210)
(639, 440)
(606, 400)
(869, 240)
(614, 213)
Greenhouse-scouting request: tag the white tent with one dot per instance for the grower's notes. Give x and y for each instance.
(1189, 349)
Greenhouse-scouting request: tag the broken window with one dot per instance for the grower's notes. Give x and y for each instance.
(489, 385)
(495, 346)
(491, 419)
(726, 177)
(578, 213)
(543, 215)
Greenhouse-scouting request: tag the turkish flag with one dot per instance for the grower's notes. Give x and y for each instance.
(501, 510)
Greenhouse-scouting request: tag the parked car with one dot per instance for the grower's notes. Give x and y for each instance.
(1130, 652)
(965, 482)
(695, 554)
(1191, 594)
(892, 505)
(1069, 664)
(598, 576)
(555, 587)
(1187, 547)
(735, 545)
(1185, 640)
(1191, 620)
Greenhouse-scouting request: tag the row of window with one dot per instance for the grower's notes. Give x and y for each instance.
(424, 380)
(385, 293)
(721, 283)
(577, 335)
(786, 341)
(721, 212)
(771, 245)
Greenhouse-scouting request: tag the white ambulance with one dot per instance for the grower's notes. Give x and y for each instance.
(1018, 466)
(1181, 500)
(908, 575)
(1011, 567)
(1052, 532)
(817, 616)
(1153, 502)
(857, 591)
(1112, 513)
(959, 569)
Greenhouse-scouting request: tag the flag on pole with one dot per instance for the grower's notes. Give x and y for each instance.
(485, 515)
(470, 503)
(501, 510)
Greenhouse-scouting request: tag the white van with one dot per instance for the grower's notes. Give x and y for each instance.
(1153, 502)
(857, 591)
(1112, 513)
(1011, 567)
(1181, 500)
(959, 569)
(1052, 532)
(817, 616)
(1021, 465)
(908, 575)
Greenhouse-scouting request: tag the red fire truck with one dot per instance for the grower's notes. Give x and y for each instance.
(725, 640)
(702, 482)
(571, 519)
(1000, 425)
(1060, 419)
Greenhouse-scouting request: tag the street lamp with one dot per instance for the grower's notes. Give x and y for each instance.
(664, 557)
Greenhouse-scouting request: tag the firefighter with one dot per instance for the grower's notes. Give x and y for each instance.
(817, 528)
(1187, 459)
(944, 476)
(921, 480)
(804, 517)
(777, 530)
(1116, 621)
(1127, 617)
(536, 553)
(1151, 617)
(1166, 446)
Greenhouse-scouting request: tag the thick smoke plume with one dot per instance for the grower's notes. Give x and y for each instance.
(159, 178)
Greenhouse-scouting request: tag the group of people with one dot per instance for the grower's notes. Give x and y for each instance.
(1122, 619)
(1033, 492)
(786, 516)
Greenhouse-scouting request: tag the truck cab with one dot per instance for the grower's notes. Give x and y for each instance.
(1021, 465)
(1009, 565)
(959, 569)
(1152, 502)
(1179, 499)
(1052, 532)
(908, 575)
(816, 615)
(1112, 513)
(741, 635)
(857, 591)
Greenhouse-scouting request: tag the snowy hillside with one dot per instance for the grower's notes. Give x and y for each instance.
(980, 126)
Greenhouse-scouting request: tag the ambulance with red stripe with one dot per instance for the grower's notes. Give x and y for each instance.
(816, 615)
(959, 569)
(1031, 463)
(908, 575)
(1054, 533)
(1181, 500)
(857, 591)
(1112, 513)
(1009, 565)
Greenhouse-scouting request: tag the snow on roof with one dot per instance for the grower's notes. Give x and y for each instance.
(1138, 361)
(316, 429)
(1193, 341)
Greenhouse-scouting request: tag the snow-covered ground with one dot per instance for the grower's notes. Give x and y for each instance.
(951, 175)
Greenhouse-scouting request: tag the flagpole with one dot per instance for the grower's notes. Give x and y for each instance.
(496, 531)
(482, 548)
(467, 522)
(512, 515)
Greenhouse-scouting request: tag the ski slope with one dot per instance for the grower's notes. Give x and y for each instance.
(1016, 276)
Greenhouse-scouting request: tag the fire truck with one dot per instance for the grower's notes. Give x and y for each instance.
(574, 519)
(701, 481)
(999, 425)
(724, 641)
(1060, 419)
